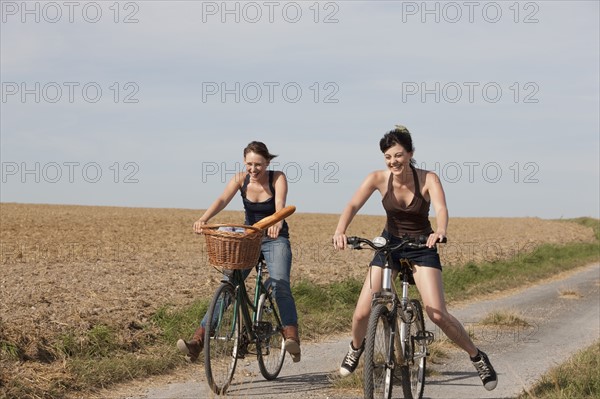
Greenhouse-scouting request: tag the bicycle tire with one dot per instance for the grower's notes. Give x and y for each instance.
(378, 375)
(413, 369)
(270, 347)
(221, 338)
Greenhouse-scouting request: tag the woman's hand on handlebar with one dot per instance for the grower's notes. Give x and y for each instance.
(198, 226)
(435, 238)
(339, 240)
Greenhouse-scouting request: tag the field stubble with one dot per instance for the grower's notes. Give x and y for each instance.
(69, 269)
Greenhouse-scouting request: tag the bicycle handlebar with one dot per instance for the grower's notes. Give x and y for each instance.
(385, 245)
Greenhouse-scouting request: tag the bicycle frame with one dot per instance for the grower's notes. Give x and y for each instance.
(398, 322)
(249, 310)
(234, 321)
(400, 310)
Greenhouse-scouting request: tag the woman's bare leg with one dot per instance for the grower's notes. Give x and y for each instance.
(430, 286)
(360, 319)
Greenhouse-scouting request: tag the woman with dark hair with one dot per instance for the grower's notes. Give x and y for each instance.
(407, 194)
(263, 193)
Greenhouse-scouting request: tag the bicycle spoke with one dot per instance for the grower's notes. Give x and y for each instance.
(270, 342)
(377, 369)
(413, 371)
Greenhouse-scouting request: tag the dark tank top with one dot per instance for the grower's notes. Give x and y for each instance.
(256, 211)
(412, 219)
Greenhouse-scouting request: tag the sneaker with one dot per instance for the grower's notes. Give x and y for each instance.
(486, 371)
(351, 360)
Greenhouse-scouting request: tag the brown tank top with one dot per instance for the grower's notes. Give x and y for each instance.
(412, 219)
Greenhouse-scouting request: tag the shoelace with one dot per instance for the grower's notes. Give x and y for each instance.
(352, 356)
(483, 369)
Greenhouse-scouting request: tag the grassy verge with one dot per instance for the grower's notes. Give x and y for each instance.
(578, 378)
(545, 261)
(103, 357)
(471, 280)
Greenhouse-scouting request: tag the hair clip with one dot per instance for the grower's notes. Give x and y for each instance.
(401, 129)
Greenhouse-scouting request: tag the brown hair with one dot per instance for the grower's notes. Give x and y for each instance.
(259, 148)
(400, 135)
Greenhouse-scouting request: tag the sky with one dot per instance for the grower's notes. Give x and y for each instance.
(150, 103)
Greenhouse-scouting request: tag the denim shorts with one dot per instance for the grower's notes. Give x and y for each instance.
(427, 257)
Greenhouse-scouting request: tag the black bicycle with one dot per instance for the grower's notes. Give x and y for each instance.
(396, 335)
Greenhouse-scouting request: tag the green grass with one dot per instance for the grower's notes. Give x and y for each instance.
(325, 309)
(547, 260)
(103, 356)
(177, 323)
(578, 378)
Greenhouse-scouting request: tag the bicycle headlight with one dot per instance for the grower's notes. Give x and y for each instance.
(379, 242)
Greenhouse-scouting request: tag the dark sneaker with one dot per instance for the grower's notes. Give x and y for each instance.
(351, 360)
(486, 371)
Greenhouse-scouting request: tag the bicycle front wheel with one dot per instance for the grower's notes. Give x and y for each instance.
(413, 369)
(269, 338)
(221, 339)
(378, 371)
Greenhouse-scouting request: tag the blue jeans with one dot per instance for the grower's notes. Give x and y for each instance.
(278, 256)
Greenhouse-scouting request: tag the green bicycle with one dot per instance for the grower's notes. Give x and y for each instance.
(236, 325)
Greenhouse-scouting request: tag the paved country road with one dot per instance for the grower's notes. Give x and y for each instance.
(559, 326)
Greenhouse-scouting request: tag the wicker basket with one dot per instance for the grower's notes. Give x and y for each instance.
(231, 250)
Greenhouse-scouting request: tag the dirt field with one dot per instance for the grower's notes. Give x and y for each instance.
(68, 268)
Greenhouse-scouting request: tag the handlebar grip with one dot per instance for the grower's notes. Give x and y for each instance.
(421, 242)
(351, 240)
(423, 239)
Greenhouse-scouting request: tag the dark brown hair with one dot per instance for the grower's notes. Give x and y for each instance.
(259, 148)
(400, 135)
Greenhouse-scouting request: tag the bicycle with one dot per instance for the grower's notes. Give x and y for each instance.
(236, 324)
(396, 334)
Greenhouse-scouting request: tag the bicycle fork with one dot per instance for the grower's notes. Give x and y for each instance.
(406, 317)
(387, 296)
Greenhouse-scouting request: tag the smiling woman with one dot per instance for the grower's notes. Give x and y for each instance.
(407, 195)
(263, 192)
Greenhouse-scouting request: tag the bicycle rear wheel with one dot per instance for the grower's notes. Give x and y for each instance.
(221, 339)
(413, 369)
(269, 339)
(378, 372)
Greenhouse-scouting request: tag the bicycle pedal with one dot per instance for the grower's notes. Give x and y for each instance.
(425, 337)
(242, 352)
(263, 328)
